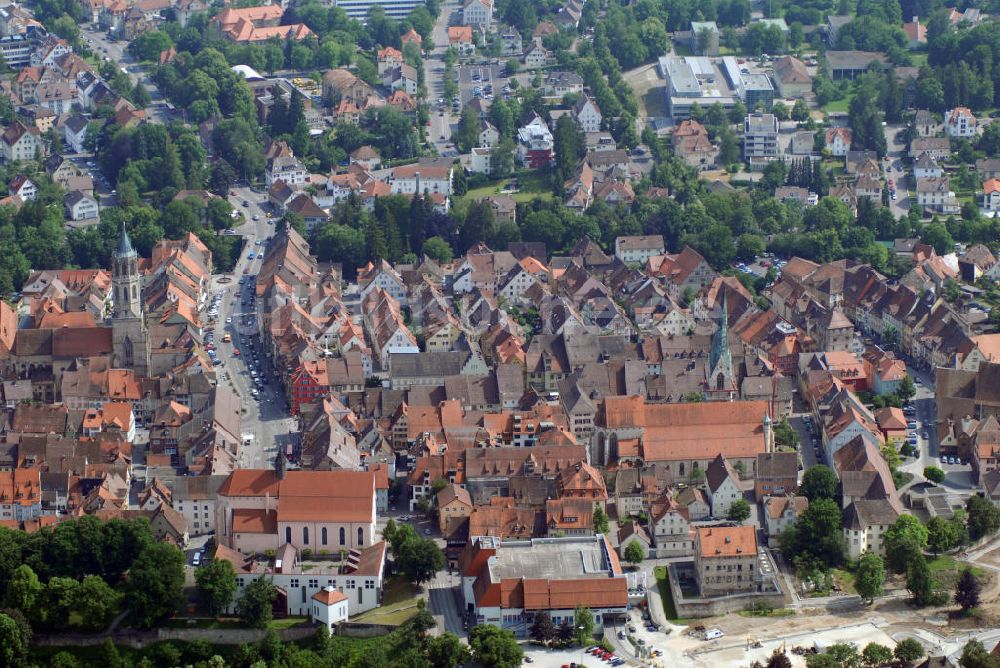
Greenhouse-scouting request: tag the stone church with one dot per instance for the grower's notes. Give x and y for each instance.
(130, 337)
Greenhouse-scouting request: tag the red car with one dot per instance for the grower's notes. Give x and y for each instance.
(236, 351)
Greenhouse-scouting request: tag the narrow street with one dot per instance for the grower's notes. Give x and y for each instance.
(439, 131)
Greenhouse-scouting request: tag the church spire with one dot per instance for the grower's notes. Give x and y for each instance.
(720, 362)
(124, 244)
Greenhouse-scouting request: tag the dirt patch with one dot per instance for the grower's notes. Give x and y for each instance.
(648, 86)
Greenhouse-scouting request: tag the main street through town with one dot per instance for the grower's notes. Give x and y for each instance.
(265, 419)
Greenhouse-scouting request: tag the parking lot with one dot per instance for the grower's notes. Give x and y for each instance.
(486, 78)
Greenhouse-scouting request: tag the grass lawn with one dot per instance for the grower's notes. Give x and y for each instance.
(845, 579)
(399, 603)
(780, 612)
(533, 185)
(668, 599)
(946, 569)
(839, 106)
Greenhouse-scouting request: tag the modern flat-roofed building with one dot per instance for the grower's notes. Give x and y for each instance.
(506, 583)
(694, 79)
(712, 80)
(760, 138)
(396, 9)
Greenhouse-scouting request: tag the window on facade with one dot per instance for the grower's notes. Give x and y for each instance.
(294, 583)
(288, 534)
(313, 584)
(361, 536)
(323, 535)
(305, 535)
(343, 535)
(369, 584)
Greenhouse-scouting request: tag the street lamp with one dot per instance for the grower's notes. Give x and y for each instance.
(580, 628)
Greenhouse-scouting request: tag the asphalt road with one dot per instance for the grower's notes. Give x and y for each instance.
(439, 133)
(895, 169)
(266, 417)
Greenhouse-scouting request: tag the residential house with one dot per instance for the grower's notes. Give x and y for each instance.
(991, 195)
(781, 512)
(777, 474)
(20, 143)
(926, 167)
(537, 56)
(80, 206)
(960, 122)
(670, 527)
(722, 484)
(535, 144)
(478, 13)
(638, 249)
(460, 38)
(587, 114)
(75, 133)
(838, 141)
(453, 503)
(927, 123)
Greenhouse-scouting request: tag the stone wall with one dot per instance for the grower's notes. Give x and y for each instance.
(143, 639)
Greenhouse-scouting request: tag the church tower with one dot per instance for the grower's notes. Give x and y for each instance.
(128, 324)
(721, 381)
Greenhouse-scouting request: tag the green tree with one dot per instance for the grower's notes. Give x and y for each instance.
(875, 655)
(419, 559)
(255, 604)
(600, 521)
(937, 235)
(542, 628)
(967, 590)
(59, 601)
(12, 643)
(467, 133)
(983, 517)
(934, 474)
(870, 577)
(908, 650)
(95, 603)
(216, 582)
(495, 647)
(904, 540)
(942, 535)
(569, 146)
(974, 655)
(906, 390)
(583, 625)
(437, 249)
(739, 511)
(446, 651)
(23, 590)
(633, 553)
(818, 535)
(819, 482)
(919, 580)
(107, 654)
(153, 589)
(800, 111)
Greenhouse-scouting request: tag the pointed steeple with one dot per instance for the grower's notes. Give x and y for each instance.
(124, 244)
(720, 361)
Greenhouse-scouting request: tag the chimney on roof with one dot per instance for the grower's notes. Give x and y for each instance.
(729, 539)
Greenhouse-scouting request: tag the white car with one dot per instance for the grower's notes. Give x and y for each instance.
(229, 321)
